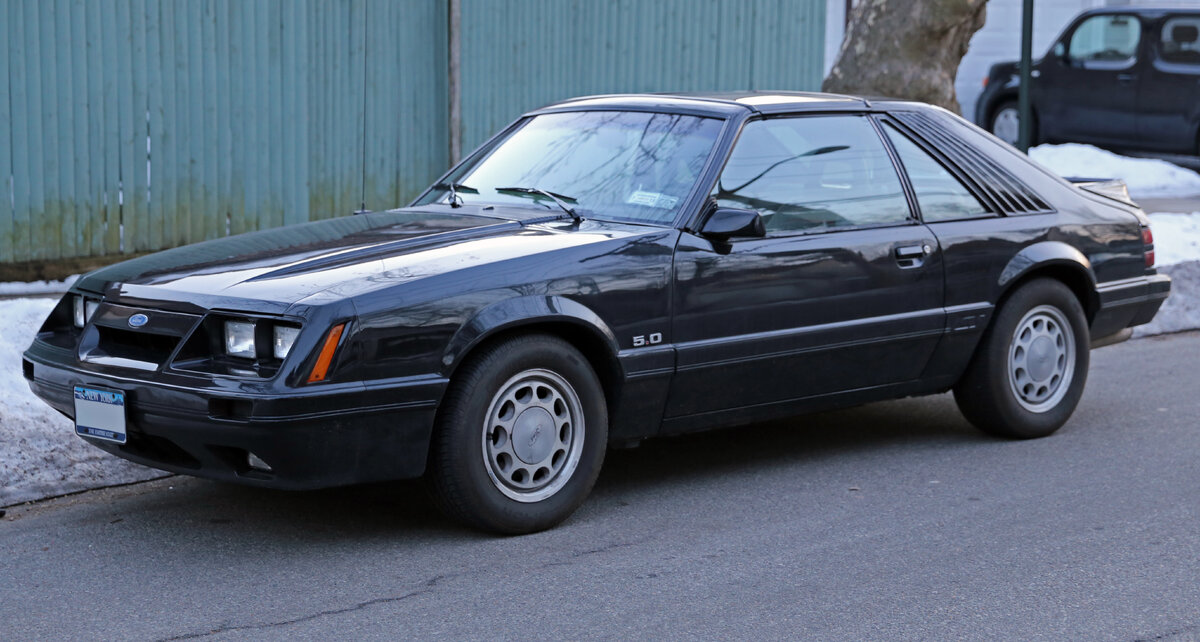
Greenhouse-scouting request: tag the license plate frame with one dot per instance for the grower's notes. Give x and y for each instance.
(100, 414)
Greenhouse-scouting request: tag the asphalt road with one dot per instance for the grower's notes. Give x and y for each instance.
(890, 521)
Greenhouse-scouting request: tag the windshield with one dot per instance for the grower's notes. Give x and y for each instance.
(620, 165)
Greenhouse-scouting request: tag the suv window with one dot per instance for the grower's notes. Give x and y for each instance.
(940, 195)
(1106, 42)
(1178, 40)
(813, 173)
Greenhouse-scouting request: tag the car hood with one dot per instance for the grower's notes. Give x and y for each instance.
(273, 269)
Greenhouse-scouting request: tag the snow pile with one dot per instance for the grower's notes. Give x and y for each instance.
(1181, 311)
(1146, 177)
(1176, 237)
(22, 288)
(1177, 254)
(40, 455)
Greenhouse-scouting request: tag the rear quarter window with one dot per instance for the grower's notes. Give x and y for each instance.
(1179, 43)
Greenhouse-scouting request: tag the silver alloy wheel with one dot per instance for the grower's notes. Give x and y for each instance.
(1006, 125)
(533, 435)
(1041, 359)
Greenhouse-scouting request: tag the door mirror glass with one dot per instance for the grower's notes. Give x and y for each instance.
(1060, 51)
(729, 222)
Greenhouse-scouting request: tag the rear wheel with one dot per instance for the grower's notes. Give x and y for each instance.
(520, 437)
(1029, 371)
(1005, 123)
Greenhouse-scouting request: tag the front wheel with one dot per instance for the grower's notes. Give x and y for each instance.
(520, 437)
(1029, 371)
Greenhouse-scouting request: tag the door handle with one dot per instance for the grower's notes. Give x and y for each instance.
(912, 251)
(1126, 78)
(912, 256)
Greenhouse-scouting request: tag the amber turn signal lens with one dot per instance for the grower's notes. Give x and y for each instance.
(326, 357)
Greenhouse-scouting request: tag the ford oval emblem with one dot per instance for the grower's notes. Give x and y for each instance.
(138, 320)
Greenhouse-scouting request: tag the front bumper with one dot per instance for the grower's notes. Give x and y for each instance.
(1128, 303)
(332, 435)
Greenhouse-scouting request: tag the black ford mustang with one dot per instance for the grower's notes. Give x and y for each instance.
(604, 270)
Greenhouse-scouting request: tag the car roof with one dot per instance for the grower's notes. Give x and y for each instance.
(1147, 10)
(721, 104)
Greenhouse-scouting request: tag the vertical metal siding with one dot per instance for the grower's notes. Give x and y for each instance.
(135, 125)
(519, 55)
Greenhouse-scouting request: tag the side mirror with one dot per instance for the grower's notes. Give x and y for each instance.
(728, 222)
(1060, 52)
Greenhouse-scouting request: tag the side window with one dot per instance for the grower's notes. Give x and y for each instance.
(813, 173)
(939, 194)
(1105, 42)
(1177, 42)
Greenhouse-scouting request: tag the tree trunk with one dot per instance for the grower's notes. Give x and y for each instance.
(906, 49)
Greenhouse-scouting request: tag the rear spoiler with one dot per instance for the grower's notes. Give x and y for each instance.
(1111, 188)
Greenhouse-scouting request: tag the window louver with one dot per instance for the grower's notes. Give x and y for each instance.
(1008, 195)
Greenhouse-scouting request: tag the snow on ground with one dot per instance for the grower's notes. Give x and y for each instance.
(40, 456)
(1146, 177)
(1176, 237)
(22, 288)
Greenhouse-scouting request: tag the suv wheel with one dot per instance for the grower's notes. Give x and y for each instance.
(1005, 123)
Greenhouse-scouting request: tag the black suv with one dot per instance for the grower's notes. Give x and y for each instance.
(1118, 77)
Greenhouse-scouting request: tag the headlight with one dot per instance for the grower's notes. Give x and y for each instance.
(84, 309)
(239, 339)
(285, 336)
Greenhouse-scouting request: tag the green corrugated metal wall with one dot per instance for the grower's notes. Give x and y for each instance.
(520, 55)
(135, 125)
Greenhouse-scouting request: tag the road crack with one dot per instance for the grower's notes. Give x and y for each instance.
(428, 588)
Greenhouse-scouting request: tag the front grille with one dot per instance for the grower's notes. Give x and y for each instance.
(138, 346)
(111, 339)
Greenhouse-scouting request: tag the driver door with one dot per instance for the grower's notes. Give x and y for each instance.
(844, 292)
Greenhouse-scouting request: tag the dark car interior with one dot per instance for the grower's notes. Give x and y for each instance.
(1179, 44)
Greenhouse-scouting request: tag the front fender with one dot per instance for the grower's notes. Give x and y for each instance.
(524, 311)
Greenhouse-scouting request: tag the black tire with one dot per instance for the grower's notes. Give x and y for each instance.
(1009, 389)
(997, 114)
(482, 479)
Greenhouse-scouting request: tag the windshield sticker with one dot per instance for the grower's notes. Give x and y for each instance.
(652, 199)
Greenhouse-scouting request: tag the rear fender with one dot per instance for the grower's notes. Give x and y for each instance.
(1055, 259)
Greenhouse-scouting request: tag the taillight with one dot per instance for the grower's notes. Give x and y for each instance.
(985, 82)
(1148, 243)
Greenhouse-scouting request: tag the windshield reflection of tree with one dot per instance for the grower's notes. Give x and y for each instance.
(602, 158)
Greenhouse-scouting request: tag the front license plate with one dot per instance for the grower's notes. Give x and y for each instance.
(100, 414)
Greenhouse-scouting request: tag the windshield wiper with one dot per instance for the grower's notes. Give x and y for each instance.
(557, 198)
(454, 189)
